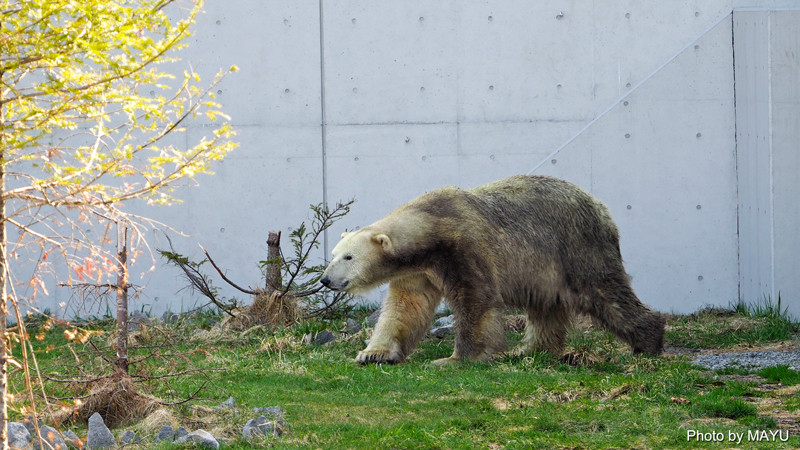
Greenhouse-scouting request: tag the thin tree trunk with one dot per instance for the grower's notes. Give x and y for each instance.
(3, 291)
(122, 298)
(273, 274)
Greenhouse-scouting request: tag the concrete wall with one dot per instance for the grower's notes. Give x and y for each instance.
(768, 156)
(633, 100)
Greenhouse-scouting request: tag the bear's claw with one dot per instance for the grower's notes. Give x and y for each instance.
(373, 357)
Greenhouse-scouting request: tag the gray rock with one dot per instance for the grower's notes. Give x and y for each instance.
(28, 423)
(229, 403)
(73, 440)
(446, 321)
(52, 438)
(181, 432)
(200, 437)
(441, 332)
(353, 327)
(373, 318)
(272, 411)
(69, 434)
(199, 334)
(260, 427)
(324, 337)
(136, 320)
(129, 437)
(169, 316)
(99, 435)
(18, 435)
(167, 434)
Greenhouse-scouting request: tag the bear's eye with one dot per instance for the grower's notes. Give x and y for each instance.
(348, 257)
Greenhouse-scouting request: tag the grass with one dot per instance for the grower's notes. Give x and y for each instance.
(741, 324)
(611, 400)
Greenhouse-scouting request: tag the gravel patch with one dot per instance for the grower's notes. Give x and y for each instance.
(749, 360)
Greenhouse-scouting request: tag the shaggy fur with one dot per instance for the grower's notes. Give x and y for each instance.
(530, 242)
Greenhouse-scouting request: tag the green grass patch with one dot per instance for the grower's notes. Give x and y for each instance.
(611, 399)
(780, 374)
(742, 323)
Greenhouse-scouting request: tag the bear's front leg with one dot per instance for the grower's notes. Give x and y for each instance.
(405, 316)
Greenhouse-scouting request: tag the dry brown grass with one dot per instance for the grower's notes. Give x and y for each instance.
(115, 398)
(157, 419)
(269, 309)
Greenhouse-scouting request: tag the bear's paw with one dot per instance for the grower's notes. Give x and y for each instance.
(379, 356)
(444, 361)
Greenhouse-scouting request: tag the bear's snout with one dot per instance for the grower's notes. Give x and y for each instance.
(330, 284)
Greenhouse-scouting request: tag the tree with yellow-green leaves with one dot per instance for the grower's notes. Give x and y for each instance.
(89, 101)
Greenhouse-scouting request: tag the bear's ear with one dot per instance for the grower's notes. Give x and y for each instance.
(345, 234)
(384, 241)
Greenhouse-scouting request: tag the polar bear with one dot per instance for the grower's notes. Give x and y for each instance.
(534, 243)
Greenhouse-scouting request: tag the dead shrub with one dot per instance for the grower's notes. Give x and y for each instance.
(273, 310)
(115, 398)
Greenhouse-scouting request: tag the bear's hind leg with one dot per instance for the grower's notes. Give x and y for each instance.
(618, 310)
(405, 316)
(546, 330)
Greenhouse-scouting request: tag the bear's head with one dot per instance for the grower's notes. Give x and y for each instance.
(359, 262)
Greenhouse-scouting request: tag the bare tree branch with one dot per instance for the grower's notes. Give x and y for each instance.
(191, 397)
(227, 280)
(196, 278)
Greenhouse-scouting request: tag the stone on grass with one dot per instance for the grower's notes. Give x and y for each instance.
(136, 320)
(99, 435)
(324, 337)
(229, 403)
(28, 423)
(167, 434)
(52, 438)
(181, 432)
(260, 427)
(129, 437)
(446, 321)
(353, 327)
(443, 326)
(441, 332)
(274, 411)
(18, 435)
(372, 320)
(200, 437)
(73, 440)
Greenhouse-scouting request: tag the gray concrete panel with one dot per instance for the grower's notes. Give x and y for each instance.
(276, 47)
(663, 161)
(492, 150)
(785, 90)
(390, 62)
(517, 61)
(752, 58)
(383, 166)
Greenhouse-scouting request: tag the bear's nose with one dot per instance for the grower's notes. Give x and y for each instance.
(325, 281)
